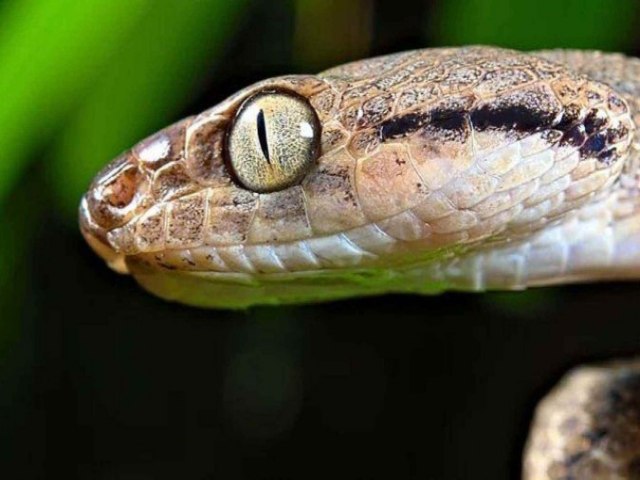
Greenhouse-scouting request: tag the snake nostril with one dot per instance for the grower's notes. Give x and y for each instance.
(115, 193)
(121, 190)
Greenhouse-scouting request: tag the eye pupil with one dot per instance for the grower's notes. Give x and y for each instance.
(262, 135)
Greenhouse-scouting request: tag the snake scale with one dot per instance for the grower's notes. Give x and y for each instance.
(467, 168)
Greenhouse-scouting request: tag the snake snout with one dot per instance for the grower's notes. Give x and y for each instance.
(114, 198)
(115, 193)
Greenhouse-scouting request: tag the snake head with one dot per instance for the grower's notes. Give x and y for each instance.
(462, 168)
(154, 197)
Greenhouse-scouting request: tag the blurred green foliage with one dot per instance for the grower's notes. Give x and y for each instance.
(143, 87)
(79, 82)
(526, 25)
(51, 51)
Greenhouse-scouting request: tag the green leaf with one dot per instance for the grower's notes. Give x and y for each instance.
(51, 50)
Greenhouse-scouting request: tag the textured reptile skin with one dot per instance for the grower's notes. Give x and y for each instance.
(466, 168)
(588, 427)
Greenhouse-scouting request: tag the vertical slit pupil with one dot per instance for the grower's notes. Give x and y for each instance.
(262, 135)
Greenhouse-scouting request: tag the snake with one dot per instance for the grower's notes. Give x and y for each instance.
(470, 168)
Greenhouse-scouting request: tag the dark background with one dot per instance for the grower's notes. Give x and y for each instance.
(100, 380)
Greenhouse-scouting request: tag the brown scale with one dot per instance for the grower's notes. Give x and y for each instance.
(150, 229)
(502, 80)
(230, 212)
(172, 181)
(204, 154)
(324, 102)
(416, 96)
(393, 80)
(364, 143)
(115, 193)
(375, 110)
(163, 147)
(333, 136)
(185, 225)
(387, 183)
(332, 200)
(280, 217)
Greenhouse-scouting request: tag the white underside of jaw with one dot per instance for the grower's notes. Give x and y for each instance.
(355, 248)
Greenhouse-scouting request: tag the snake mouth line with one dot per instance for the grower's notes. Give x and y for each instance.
(96, 237)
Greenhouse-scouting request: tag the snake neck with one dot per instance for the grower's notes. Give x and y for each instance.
(599, 241)
(622, 73)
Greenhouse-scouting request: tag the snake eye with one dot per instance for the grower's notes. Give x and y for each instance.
(273, 141)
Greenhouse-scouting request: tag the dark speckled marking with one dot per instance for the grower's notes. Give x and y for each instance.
(614, 135)
(439, 119)
(511, 117)
(594, 121)
(594, 145)
(608, 156)
(403, 125)
(570, 116)
(575, 136)
(483, 118)
(596, 434)
(448, 120)
(586, 132)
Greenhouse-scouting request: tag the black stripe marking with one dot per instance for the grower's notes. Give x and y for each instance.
(511, 117)
(517, 118)
(401, 126)
(450, 120)
(594, 145)
(588, 134)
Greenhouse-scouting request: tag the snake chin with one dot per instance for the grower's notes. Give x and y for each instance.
(96, 237)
